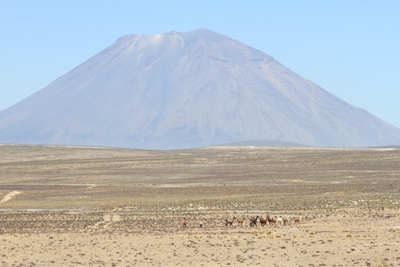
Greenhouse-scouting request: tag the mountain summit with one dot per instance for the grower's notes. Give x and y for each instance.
(185, 90)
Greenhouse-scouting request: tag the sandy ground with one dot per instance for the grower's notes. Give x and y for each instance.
(350, 238)
(289, 246)
(78, 210)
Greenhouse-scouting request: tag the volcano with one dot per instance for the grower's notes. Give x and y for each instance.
(181, 90)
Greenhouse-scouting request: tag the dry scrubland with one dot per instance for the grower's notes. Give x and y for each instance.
(79, 206)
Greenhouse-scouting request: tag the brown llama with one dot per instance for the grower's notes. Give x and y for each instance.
(241, 221)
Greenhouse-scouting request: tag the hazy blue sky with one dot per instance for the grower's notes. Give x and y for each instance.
(350, 48)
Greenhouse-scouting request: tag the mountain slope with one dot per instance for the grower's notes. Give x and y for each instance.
(184, 90)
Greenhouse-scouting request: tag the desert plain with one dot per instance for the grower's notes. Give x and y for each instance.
(95, 206)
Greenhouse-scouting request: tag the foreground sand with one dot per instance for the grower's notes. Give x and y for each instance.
(307, 245)
(85, 207)
(349, 238)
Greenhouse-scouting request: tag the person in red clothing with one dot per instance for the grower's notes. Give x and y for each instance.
(184, 223)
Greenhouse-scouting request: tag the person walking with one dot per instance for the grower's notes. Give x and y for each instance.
(184, 222)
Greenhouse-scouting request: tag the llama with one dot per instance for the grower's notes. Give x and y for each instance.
(271, 219)
(241, 221)
(263, 221)
(286, 220)
(230, 222)
(253, 221)
(297, 219)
